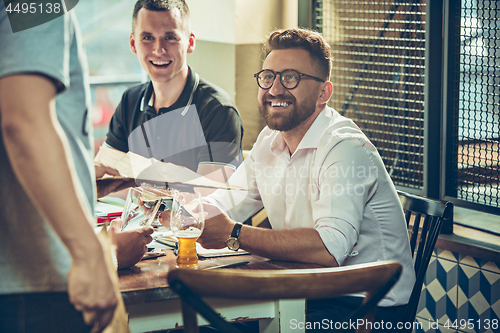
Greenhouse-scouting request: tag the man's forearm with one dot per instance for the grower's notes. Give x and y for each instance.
(301, 245)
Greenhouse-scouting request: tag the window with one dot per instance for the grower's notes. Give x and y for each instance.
(378, 77)
(423, 83)
(476, 132)
(106, 26)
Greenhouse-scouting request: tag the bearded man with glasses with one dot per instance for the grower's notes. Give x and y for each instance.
(289, 79)
(327, 194)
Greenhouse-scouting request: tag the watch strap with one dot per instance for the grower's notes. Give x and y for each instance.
(236, 230)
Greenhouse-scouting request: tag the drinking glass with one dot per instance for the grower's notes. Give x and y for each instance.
(165, 197)
(141, 208)
(187, 222)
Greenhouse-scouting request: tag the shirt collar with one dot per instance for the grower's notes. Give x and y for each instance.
(147, 100)
(278, 145)
(311, 138)
(314, 133)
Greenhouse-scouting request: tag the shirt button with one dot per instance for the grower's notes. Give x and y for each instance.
(289, 201)
(158, 138)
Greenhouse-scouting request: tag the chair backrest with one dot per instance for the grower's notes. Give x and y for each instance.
(373, 278)
(428, 219)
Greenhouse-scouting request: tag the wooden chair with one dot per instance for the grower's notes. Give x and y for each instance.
(428, 219)
(373, 278)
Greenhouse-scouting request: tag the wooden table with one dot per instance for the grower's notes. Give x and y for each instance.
(153, 306)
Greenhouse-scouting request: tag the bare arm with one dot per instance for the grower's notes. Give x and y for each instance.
(301, 245)
(40, 157)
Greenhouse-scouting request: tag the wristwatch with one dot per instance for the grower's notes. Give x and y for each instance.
(233, 242)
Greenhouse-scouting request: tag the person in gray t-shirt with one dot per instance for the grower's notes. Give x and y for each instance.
(48, 247)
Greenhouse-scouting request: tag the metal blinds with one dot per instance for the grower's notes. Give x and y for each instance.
(378, 76)
(478, 102)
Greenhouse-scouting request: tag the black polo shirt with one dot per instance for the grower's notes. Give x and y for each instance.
(202, 126)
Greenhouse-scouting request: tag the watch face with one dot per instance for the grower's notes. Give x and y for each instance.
(233, 243)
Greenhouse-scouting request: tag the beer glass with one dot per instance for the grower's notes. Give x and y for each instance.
(187, 222)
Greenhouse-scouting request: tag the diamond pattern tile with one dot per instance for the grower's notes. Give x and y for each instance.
(478, 298)
(490, 266)
(453, 295)
(424, 314)
(459, 287)
(496, 308)
(462, 298)
(477, 262)
(438, 300)
(469, 261)
(491, 277)
(445, 254)
(479, 303)
(436, 290)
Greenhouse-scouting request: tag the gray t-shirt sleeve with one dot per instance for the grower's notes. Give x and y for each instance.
(28, 52)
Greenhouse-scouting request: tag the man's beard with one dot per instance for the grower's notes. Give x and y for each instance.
(292, 118)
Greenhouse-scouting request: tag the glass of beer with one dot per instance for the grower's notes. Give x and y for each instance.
(187, 222)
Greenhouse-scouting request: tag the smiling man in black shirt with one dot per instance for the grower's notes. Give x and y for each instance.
(177, 117)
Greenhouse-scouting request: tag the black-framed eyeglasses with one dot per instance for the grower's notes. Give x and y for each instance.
(289, 78)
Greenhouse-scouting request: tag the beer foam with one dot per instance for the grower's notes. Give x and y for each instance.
(191, 232)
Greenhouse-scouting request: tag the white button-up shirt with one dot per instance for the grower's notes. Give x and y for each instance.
(336, 183)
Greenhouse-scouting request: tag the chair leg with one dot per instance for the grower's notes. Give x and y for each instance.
(194, 303)
(189, 319)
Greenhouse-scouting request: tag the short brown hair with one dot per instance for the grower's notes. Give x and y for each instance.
(162, 5)
(311, 41)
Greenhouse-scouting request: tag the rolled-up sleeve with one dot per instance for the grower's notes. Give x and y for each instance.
(345, 182)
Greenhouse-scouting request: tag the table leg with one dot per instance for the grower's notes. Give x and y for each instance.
(290, 316)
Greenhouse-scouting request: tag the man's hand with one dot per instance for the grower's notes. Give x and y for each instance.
(92, 292)
(218, 227)
(130, 245)
(106, 186)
